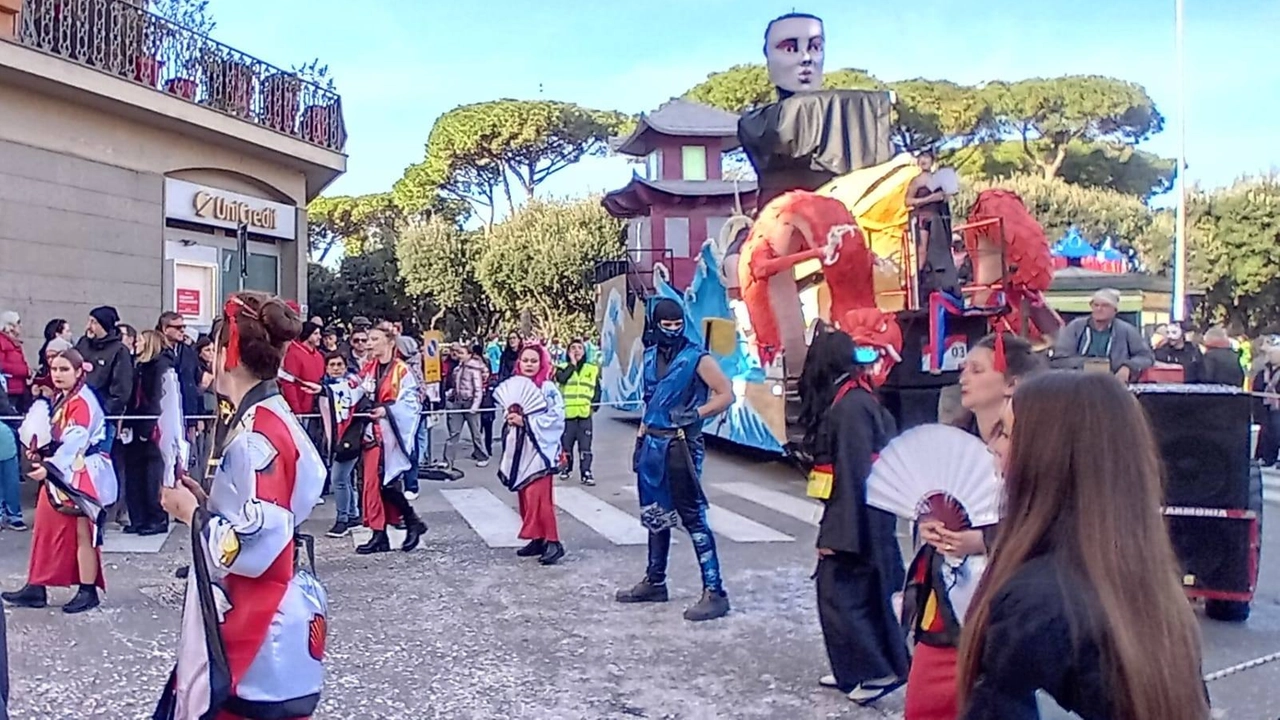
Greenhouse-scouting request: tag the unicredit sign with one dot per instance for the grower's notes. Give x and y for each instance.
(221, 208)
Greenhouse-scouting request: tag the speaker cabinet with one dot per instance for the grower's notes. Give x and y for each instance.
(1203, 434)
(1218, 551)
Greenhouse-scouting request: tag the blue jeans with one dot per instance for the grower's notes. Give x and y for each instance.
(342, 475)
(10, 503)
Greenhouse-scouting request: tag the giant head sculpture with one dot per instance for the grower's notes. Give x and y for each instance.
(793, 51)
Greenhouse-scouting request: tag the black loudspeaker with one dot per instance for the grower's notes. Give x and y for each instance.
(1217, 555)
(915, 339)
(911, 406)
(1203, 435)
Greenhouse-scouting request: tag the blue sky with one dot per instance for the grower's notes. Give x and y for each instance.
(401, 63)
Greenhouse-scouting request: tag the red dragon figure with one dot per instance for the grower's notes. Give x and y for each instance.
(875, 328)
(793, 228)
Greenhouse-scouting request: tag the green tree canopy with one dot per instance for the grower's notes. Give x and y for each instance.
(354, 222)
(1233, 252)
(367, 284)
(438, 262)
(539, 260)
(1123, 168)
(475, 153)
(1048, 114)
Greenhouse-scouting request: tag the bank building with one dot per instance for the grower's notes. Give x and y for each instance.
(147, 166)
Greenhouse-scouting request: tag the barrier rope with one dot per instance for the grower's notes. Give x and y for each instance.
(455, 411)
(1249, 665)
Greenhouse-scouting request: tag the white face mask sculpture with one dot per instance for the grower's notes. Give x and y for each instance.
(793, 51)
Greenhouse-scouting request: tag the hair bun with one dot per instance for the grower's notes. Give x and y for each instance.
(280, 321)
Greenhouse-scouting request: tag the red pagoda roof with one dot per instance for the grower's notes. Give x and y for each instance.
(635, 199)
(679, 118)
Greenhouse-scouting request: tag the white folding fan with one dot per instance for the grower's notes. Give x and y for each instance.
(937, 472)
(519, 394)
(36, 431)
(946, 180)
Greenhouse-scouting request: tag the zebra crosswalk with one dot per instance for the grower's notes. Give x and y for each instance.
(615, 517)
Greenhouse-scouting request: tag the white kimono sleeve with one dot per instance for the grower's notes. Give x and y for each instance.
(74, 441)
(407, 411)
(548, 425)
(245, 535)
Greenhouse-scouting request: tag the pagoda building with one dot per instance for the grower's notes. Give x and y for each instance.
(681, 198)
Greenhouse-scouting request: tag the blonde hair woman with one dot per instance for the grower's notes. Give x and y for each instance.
(154, 382)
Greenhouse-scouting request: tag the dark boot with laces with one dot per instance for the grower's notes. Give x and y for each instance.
(714, 604)
(643, 592)
(377, 544)
(533, 549)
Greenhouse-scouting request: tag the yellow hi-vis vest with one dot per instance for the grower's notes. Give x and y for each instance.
(579, 391)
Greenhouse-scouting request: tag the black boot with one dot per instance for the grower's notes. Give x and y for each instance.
(643, 592)
(32, 596)
(378, 543)
(413, 534)
(552, 554)
(533, 549)
(86, 599)
(714, 604)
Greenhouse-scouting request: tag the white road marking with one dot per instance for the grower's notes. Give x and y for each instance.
(492, 520)
(619, 527)
(806, 511)
(737, 527)
(115, 541)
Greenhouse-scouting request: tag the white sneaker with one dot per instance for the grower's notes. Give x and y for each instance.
(827, 681)
(482, 463)
(321, 501)
(410, 495)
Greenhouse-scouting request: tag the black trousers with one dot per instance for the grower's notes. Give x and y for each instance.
(393, 496)
(577, 431)
(864, 640)
(142, 484)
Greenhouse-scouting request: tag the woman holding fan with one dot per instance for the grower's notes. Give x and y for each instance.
(67, 447)
(533, 410)
(942, 578)
(1082, 599)
(859, 565)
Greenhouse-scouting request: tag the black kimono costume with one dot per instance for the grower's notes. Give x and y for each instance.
(856, 583)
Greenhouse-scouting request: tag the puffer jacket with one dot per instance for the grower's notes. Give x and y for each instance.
(13, 365)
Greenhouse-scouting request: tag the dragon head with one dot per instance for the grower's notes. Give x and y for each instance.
(875, 328)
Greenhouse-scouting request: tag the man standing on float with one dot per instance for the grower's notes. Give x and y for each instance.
(683, 386)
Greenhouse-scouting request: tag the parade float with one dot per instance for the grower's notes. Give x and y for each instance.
(831, 238)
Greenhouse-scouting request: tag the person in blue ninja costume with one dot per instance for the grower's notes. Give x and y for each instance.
(683, 386)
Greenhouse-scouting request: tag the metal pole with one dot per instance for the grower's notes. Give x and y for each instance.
(1180, 229)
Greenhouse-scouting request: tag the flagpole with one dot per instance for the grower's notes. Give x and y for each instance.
(1180, 228)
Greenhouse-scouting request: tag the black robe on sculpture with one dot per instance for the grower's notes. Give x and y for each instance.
(857, 581)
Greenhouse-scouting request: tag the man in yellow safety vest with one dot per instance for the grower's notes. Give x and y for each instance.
(579, 382)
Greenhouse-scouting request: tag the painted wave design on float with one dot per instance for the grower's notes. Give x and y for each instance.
(619, 385)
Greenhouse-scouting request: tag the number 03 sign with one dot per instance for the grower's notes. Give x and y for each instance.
(956, 349)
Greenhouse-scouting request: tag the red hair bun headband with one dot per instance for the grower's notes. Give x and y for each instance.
(234, 308)
(1001, 362)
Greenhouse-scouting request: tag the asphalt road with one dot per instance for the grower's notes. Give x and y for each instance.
(461, 628)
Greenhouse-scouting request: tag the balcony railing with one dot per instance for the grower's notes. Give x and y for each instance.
(122, 39)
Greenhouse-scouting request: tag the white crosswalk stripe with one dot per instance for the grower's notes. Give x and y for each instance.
(806, 511)
(619, 527)
(738, 528)
(495, 522)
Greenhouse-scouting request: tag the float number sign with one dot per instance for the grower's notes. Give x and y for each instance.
(957, 349)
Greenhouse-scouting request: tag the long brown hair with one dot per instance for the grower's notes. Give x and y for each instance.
(1084, 480)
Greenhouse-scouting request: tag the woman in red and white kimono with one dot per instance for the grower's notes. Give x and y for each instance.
(253, 625)
(397, 410)
(530, 454)
(68, 450)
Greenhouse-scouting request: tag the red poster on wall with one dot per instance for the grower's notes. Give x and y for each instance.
(188, 302)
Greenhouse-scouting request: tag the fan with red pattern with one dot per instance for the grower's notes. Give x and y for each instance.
(937, 472)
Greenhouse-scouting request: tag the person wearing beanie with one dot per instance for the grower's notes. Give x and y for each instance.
(683, 387)
(1101, 340)
(111, 377)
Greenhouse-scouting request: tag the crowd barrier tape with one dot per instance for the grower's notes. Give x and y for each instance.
(425, 413)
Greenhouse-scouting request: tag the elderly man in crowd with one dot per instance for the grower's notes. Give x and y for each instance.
(1103, 341)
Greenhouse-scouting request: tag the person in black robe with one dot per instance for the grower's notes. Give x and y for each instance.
(859, 563)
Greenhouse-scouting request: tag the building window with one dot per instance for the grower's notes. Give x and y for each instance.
(640, 235)
(694, 162)
(653, 165)
(677, 236)
(263, 273)
(714, 226)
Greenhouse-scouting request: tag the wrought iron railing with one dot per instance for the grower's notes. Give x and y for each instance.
(122, 39)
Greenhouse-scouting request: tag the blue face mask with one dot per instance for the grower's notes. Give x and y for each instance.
(864, 355)
(668, 337)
